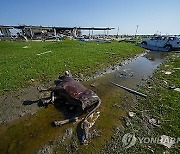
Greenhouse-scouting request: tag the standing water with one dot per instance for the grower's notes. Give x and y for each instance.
(131, 73)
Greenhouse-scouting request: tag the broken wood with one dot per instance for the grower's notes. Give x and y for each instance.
(129, 90)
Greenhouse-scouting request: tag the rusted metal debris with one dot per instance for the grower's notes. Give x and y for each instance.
(129, 90)
(75, 94)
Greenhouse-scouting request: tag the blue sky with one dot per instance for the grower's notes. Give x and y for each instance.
(151, 15)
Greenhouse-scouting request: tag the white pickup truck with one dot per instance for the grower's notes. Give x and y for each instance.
(167, 42)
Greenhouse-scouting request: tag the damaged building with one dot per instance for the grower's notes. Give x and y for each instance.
(25, 32)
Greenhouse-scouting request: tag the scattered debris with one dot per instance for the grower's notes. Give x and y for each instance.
(92, 119)
(165, 82)
(25, 47)
(95, 133)
(176, 68)
(132, 114)
(45, 150)
(81, 75)
(67, 134)
(32, 80)
(131, 74)
(167, 141)
(116, 105)
(43, 53)
(94, 84)
(155, 122)
(177, 89)
(173, 87)
(130, 90)
(168, 73)
(150, 148)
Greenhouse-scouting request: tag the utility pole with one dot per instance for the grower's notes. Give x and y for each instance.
(136, 30)
(107, 33)
(118, 32)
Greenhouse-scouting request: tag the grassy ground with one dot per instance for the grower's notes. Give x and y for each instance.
(20, 65)
(162, 104)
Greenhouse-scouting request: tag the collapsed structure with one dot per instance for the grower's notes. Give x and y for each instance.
(41, 32)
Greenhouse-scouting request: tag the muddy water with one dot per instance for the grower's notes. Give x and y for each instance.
(129, 73)
(30, 133)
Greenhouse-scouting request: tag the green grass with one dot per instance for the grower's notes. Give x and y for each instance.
(163, 104)
(19, 65)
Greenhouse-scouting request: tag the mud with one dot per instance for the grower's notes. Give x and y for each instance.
(16, 104)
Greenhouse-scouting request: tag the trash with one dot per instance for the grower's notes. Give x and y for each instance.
(174, 88)
(43, 53)
(150, 148)
(67, 134)
(32, 80)
(132, 114)
(94, 84)
(176, 68)
(155, 122)
(116, 105)
(168, 73)
(167, 141)
(177, 89)
(165, 82)
(130, 90)
(92, 119)
(25, 47)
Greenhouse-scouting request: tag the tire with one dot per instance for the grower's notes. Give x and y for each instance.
(144, 42)
(168, 47)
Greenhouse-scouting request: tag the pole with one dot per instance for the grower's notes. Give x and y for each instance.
(130, 90)
(118, 32)
(92, 34)
(136, 30)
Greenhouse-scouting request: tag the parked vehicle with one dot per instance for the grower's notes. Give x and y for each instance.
(167, 42)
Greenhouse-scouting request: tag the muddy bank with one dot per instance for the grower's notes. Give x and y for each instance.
(14, 105)
(37, 131)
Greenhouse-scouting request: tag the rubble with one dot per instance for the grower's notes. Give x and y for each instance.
(43, 53)
(25, 47)
(177, 89)
(155, 122)
(94, 84)
(176, 68)
(168, 73)
(132, 114)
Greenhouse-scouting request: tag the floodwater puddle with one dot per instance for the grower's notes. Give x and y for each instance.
(30, 133)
